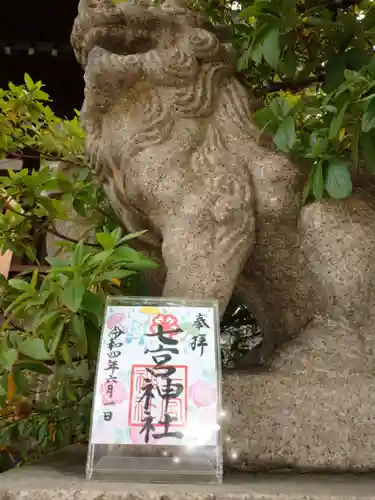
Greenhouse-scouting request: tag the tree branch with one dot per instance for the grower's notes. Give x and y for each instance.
(52, 229)
(20, 155)
(55, 232)
(291, 85)
(17, 327)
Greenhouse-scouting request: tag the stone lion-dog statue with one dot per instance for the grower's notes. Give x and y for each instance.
(169, 132)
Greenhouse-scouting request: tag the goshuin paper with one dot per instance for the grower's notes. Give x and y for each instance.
(157, 378)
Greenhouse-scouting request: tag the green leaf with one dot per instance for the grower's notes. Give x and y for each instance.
(266, 120)
(329, 108)
(371, 67)
(354, 76)
(318, 144)
(19, 302)
(80, 207)
(334, 75)
(78, 254)
(367, 143)
(33, 366)
(100, 257)
(71, 296)
(256, 53)
(94, 342)
(29, 82)
(337, 120)
(30, 253)
(14, 339)
(8, 357)
(368, 120)
(115, 274)
(290, 62)
(369, 20)
(21, 285)
(21, 381)
(338, 182)
(280, 107)
(43, 318)
(355, 134)
(55, 262)
(249, 11)
(125, 254)
(79, 334)
(34, 348)
(34, 279)
(58, 331)
(243, 60)
(93, 304)
(132, 236)
(70, 392)
(285, 137)
(3, 390)
(320, 21)
(107, 241)
(41, 96)
(117, 234)
(142, 264)
(43, 431)
(318, 181)
(271, 48)
(307, 188)
(65, 354)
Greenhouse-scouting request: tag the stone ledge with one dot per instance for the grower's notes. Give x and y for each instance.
(61, 477)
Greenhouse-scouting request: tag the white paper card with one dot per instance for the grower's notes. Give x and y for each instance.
(157, 380)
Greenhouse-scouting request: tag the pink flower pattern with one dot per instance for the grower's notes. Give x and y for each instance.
(114, 320)
(202, 393)
(167, 321)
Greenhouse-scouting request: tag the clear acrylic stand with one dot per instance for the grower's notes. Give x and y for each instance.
(135, 328)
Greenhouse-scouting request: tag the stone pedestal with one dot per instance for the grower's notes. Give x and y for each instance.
(60, 477)
(314, 410)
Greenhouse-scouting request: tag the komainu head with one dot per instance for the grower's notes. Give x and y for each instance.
(150, 67)
(135, 28)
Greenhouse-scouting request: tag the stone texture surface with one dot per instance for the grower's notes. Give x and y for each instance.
(313, 410)
(61, 477)
(169, 130)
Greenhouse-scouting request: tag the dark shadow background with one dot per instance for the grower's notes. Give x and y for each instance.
(43, 26)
